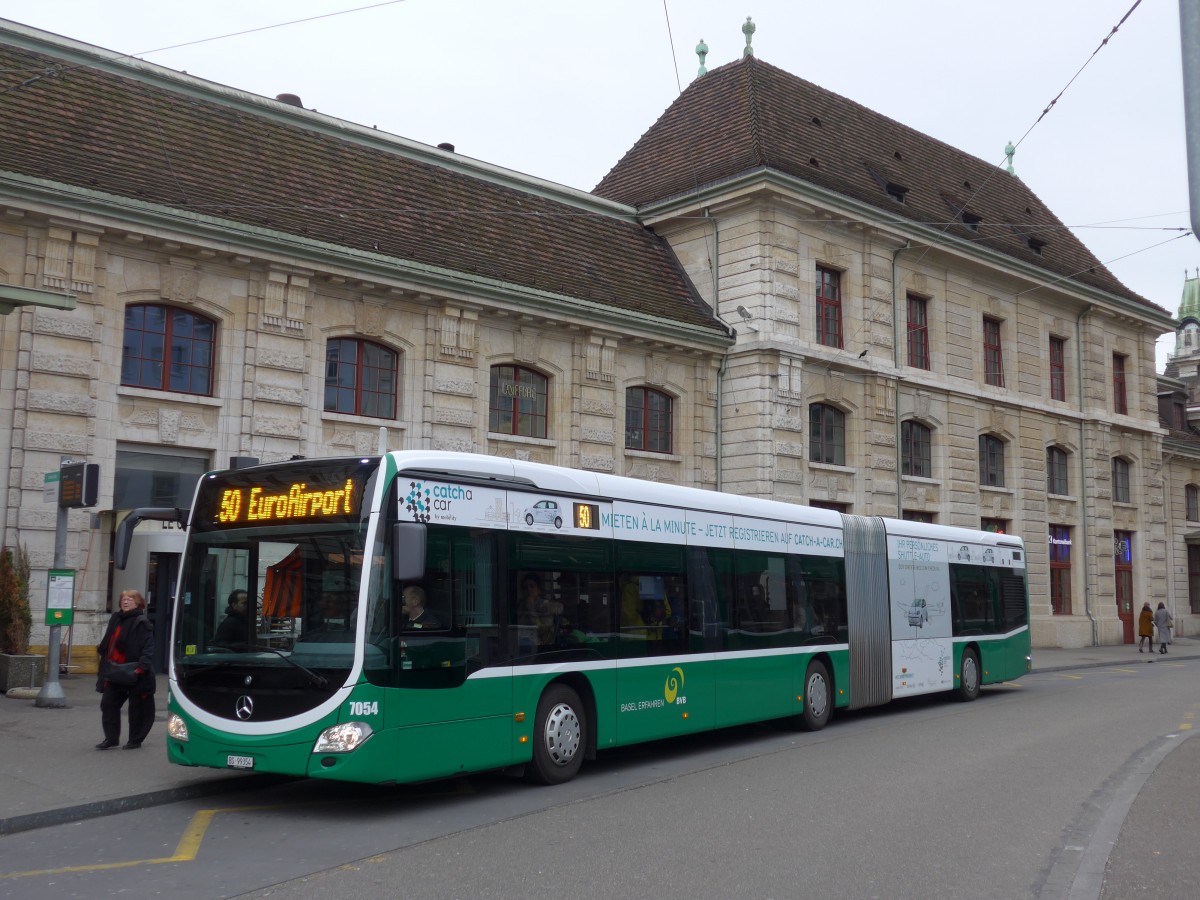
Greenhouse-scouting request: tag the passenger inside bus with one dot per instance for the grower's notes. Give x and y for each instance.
(632, 623)
(537, 612)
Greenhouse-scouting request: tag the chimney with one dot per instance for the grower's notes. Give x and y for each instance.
(289, 99)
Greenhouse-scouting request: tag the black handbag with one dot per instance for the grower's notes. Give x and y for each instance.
(123, 674)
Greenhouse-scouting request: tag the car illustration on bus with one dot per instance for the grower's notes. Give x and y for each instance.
(544, 512)
(918, 613)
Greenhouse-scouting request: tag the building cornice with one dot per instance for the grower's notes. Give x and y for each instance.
(125, 214)
(760, 179)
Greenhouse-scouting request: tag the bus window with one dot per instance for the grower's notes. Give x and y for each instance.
(974, 596)
(824, 598)
(652, 603)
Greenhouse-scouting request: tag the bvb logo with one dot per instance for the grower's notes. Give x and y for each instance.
(671, 689)
(417, 501)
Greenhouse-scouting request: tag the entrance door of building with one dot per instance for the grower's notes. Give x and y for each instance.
(162, 571)
(1123, 570)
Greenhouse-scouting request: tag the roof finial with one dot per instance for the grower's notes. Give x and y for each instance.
(1009, 151)
(748, 31)
(702, 51)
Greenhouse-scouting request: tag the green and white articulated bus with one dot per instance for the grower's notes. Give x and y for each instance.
(565, 612)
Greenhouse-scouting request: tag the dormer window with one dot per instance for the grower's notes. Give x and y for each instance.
(1036, 244)
(896, 191)
(970, 219)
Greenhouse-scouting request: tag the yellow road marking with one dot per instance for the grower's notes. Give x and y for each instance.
(1072, 677)
(185, 850)
(1118, 669)
(189, 844)
(1185, 727)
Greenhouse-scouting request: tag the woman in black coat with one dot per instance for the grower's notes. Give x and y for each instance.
(129, 638)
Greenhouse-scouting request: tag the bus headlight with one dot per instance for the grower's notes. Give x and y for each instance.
(343, 738)
(176, 727)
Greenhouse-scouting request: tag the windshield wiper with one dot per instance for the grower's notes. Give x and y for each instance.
(318, 680)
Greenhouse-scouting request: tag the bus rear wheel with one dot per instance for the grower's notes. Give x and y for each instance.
(818, 697)
(968, 682)
(559, 737)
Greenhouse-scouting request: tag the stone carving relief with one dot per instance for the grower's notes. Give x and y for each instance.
(600, 356)
(598, 463)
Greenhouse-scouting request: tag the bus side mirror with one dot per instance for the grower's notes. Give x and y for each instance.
(408, 551)
(134, 518)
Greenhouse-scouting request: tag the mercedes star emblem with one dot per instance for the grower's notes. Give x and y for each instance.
(244, 707)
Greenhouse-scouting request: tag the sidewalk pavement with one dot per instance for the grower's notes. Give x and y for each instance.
(51, 773)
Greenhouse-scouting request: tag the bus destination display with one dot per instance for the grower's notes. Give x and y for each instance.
(237, 500)
(587, 515)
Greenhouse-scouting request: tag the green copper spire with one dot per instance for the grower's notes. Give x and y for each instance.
(702, 51)
(1189, 306)
(748, 31)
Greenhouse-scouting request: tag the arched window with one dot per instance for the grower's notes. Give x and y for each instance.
(518, 401)
(1120, 480)
(827, 434)
(647, 420)
(1057, 481)
(361, 378)
(991, 460)
(916, 450)
(1191, 495)
(167, 349)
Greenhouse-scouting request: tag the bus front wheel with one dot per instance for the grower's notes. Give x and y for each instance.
(818, 697)
(559, 737)
(968, 682)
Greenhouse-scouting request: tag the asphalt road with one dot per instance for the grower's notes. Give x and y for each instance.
(1011, 796)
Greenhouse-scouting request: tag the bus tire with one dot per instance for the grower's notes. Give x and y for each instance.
(968, 680)
(559, 737)
(818, 697)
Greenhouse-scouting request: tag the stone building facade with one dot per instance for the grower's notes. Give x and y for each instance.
(211, 326)
(832, 309)
(918, 336)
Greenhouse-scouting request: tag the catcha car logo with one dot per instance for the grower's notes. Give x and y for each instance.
(244, 708)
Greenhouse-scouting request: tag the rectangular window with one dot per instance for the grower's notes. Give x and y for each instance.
(991, 460)
(995, 526)
(993, 353)
(1058, 369)
(918, 332)
(829, 307)
(913, 515)
(1057, 481)
(1120, 480)
(1120, 403)
(1192, 502)
(156, 478)
(1060, 570)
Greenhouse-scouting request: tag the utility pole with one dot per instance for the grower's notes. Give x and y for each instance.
(1189, 35)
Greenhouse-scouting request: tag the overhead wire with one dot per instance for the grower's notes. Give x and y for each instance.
(975, 193)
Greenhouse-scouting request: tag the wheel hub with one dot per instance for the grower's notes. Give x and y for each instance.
(562, 734)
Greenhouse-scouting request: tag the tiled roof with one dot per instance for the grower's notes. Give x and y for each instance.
(749, 115)
(189, 149)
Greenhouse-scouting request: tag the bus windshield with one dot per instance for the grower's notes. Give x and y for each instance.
(274, 593)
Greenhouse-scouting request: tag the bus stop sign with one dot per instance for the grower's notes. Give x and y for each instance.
(77, 485)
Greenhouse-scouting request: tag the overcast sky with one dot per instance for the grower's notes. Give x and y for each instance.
(561, 90)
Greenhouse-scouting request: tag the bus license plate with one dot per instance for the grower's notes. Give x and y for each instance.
(239, 762)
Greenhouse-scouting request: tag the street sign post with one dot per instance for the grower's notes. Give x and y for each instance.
(78, 485)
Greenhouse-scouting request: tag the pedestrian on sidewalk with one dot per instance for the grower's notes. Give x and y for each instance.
(129, 638)
(1163, 621)
(1146, 627)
